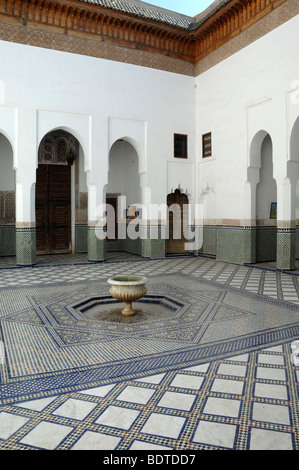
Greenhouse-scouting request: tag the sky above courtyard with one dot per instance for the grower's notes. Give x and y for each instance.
(187, 7)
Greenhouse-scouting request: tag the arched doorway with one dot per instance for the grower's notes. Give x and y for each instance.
(7, 199)
(177, 204)
(266, 200)
(293, 171)
(53, 199)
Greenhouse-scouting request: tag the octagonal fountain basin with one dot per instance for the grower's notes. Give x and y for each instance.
(127, 288)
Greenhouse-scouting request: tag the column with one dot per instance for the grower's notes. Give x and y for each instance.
(25, 166)
(25, 225)
(96, 226)
(286, 246)
(249, 222)
(286, 224)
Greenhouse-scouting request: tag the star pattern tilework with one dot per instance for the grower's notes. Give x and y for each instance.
(244, 401)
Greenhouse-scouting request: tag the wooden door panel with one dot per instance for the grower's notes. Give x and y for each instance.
(53, 209)
(59, 182)
(41, 208)
(41, 229)
(60, 214)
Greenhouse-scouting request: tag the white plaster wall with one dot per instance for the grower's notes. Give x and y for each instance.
(237, 98)
(181, 175)
(57, 90)
(82, 174)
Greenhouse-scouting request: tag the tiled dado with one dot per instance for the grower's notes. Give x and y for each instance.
(96, 244)
(231, 244)
(236, 244)
(286, 248)
(148, 243)
(266, 243)
(26, 244)
(7, 240)
(153, 246)
(81, 238)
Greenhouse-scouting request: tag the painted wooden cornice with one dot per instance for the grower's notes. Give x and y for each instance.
(228, 22)
(92, 21)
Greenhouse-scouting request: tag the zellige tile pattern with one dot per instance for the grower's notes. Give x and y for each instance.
(245, 401)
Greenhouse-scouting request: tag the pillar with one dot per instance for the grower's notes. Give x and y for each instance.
(96, 243)
(96, 226)
(286, 224)
(25, 225)
(25, 164)
(249, 223)
(286, 247)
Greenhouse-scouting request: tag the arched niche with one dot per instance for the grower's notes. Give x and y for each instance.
(293, 172)
(123, 195)
(294, 142)
(266, 191)
(266, 203)
(177, 223)
(7, 198)
(123, 175)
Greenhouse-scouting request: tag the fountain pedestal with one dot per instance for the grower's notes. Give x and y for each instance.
(128, 289)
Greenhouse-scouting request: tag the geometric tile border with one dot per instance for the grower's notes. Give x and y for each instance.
(115, 417)
(175, 352)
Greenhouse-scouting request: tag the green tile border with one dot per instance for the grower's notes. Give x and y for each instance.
(26, 246)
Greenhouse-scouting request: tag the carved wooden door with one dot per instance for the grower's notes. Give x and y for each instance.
(177, 203)
(53, 209)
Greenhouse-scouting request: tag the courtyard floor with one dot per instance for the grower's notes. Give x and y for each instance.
(215, 371)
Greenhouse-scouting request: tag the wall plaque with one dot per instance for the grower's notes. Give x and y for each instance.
(180, 146)
(207, 145)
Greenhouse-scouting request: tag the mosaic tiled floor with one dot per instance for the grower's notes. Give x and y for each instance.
(216, 374)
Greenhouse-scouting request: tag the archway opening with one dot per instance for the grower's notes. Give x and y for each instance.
(123, 198)
(266, 205)
(293, 165)
(7, 199)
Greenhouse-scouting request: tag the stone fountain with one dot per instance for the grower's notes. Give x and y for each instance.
(127, 288)
(105, 310)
